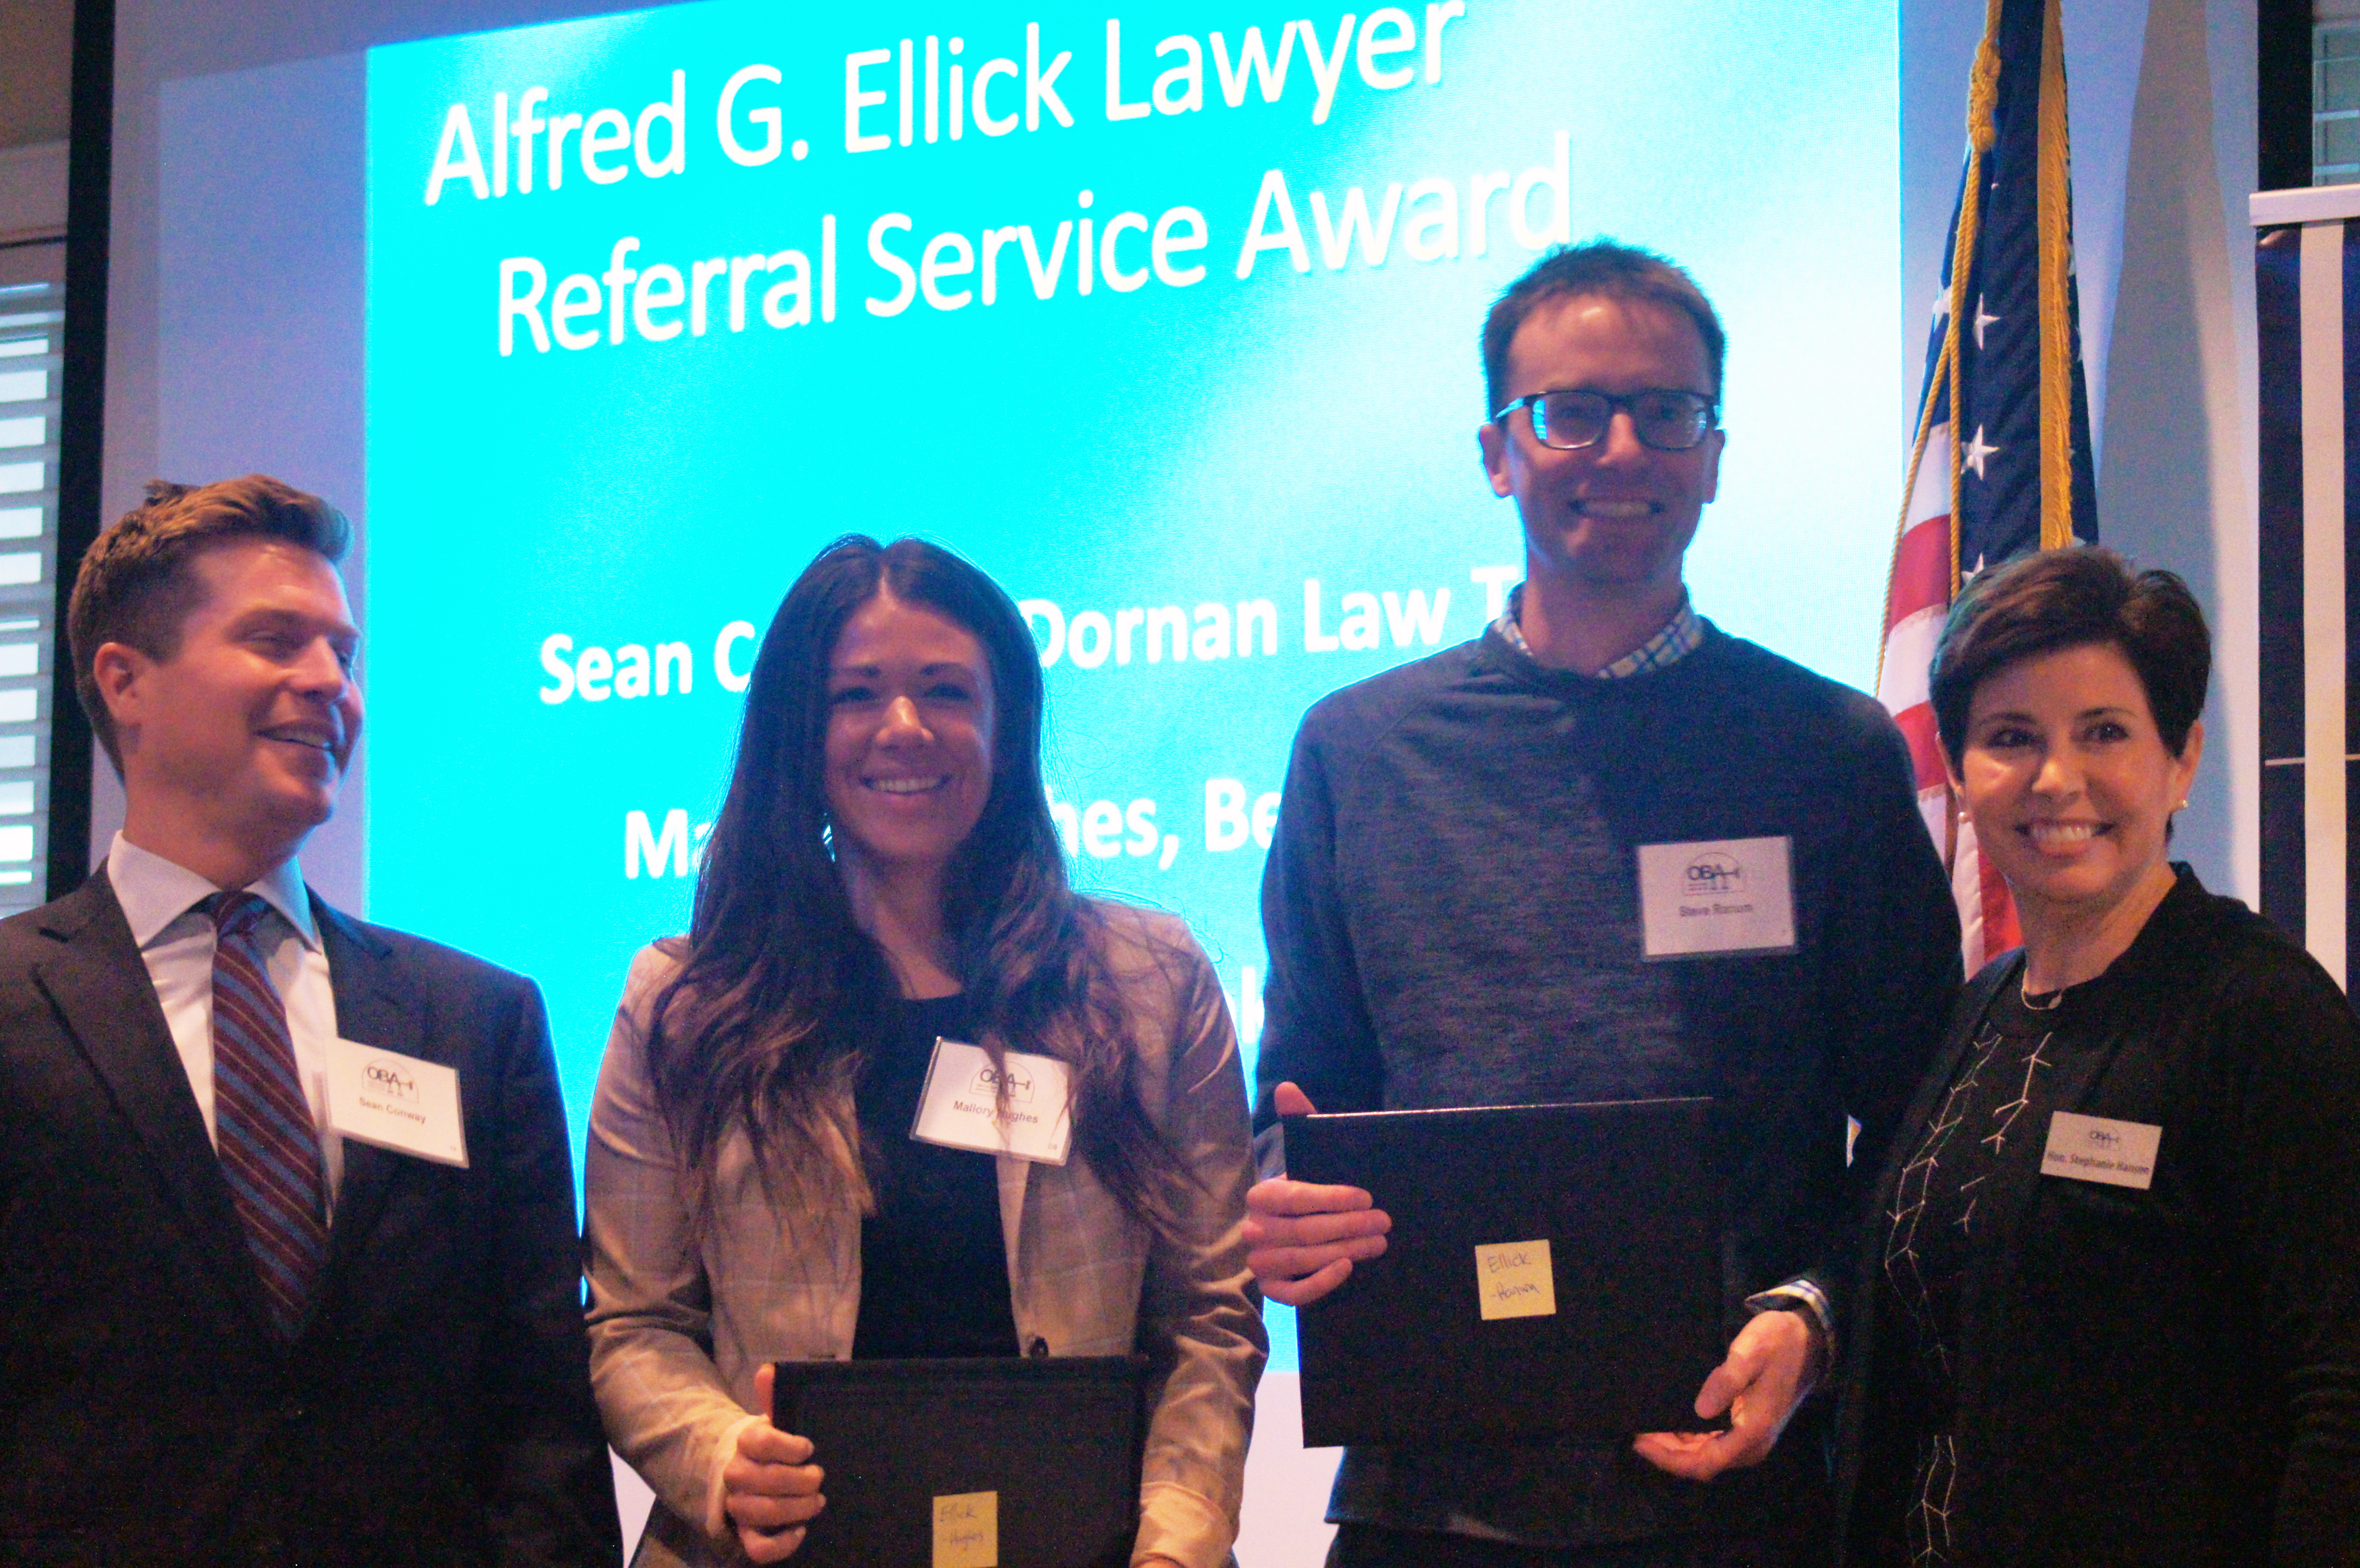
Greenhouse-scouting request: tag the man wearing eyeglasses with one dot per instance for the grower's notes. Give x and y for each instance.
(1481, 892)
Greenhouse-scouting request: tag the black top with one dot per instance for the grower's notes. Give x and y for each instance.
(2169, 1376)
(1993, 1119)
(1452, 914)
(933, 1263)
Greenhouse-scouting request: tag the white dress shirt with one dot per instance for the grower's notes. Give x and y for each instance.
(176, 942)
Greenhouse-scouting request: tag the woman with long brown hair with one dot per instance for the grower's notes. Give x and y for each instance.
(884, 876)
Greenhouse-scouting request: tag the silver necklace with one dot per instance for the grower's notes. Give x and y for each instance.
(2055, 999)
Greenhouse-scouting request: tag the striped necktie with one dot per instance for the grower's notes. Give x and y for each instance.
(270, 1150)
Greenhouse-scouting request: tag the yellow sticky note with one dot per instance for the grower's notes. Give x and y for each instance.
(1513, 1280)
(967, 1530)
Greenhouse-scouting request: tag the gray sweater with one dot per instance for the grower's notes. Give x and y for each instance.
(1452, 911)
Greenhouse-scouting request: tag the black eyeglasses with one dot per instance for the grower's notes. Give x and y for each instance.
(1575, 417)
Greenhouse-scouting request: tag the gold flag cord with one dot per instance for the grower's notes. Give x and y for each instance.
(2055, 214)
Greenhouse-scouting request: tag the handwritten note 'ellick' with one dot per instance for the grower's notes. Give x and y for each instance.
(967, 1530)
(1513, 1280)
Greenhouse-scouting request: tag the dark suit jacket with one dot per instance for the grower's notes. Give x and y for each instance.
(435, 1410)
(2167, 1378)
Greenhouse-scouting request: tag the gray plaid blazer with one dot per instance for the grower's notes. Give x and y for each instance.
(679, 1326)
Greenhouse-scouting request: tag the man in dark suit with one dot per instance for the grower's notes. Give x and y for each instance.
(230, 1330)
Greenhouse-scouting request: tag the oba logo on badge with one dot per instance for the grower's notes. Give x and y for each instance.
(389, 1080)
(1715, 872)
(1020, 1084)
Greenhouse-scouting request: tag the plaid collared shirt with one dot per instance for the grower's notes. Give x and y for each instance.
(1674, 640)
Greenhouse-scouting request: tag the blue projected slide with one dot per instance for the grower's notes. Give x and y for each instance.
(1167, 320)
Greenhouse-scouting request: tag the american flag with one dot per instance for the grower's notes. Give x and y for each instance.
(2001, 464)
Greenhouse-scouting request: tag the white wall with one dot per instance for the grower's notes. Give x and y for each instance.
(32, 191)
(36, 68)
(2177, 486)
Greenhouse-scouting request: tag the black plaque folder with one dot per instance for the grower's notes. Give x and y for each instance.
(1552, 1270)
(1004, 1462)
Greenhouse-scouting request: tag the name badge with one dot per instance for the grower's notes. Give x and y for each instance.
(961, 1107)
(1727, 895)
(2095, 1148)
(396, 1102)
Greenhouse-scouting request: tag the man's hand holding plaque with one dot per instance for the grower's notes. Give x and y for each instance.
(1773, 1363)
(1306, 1238)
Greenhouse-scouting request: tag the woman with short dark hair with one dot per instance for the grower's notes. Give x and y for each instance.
(2113, 1298)
(884, 881)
